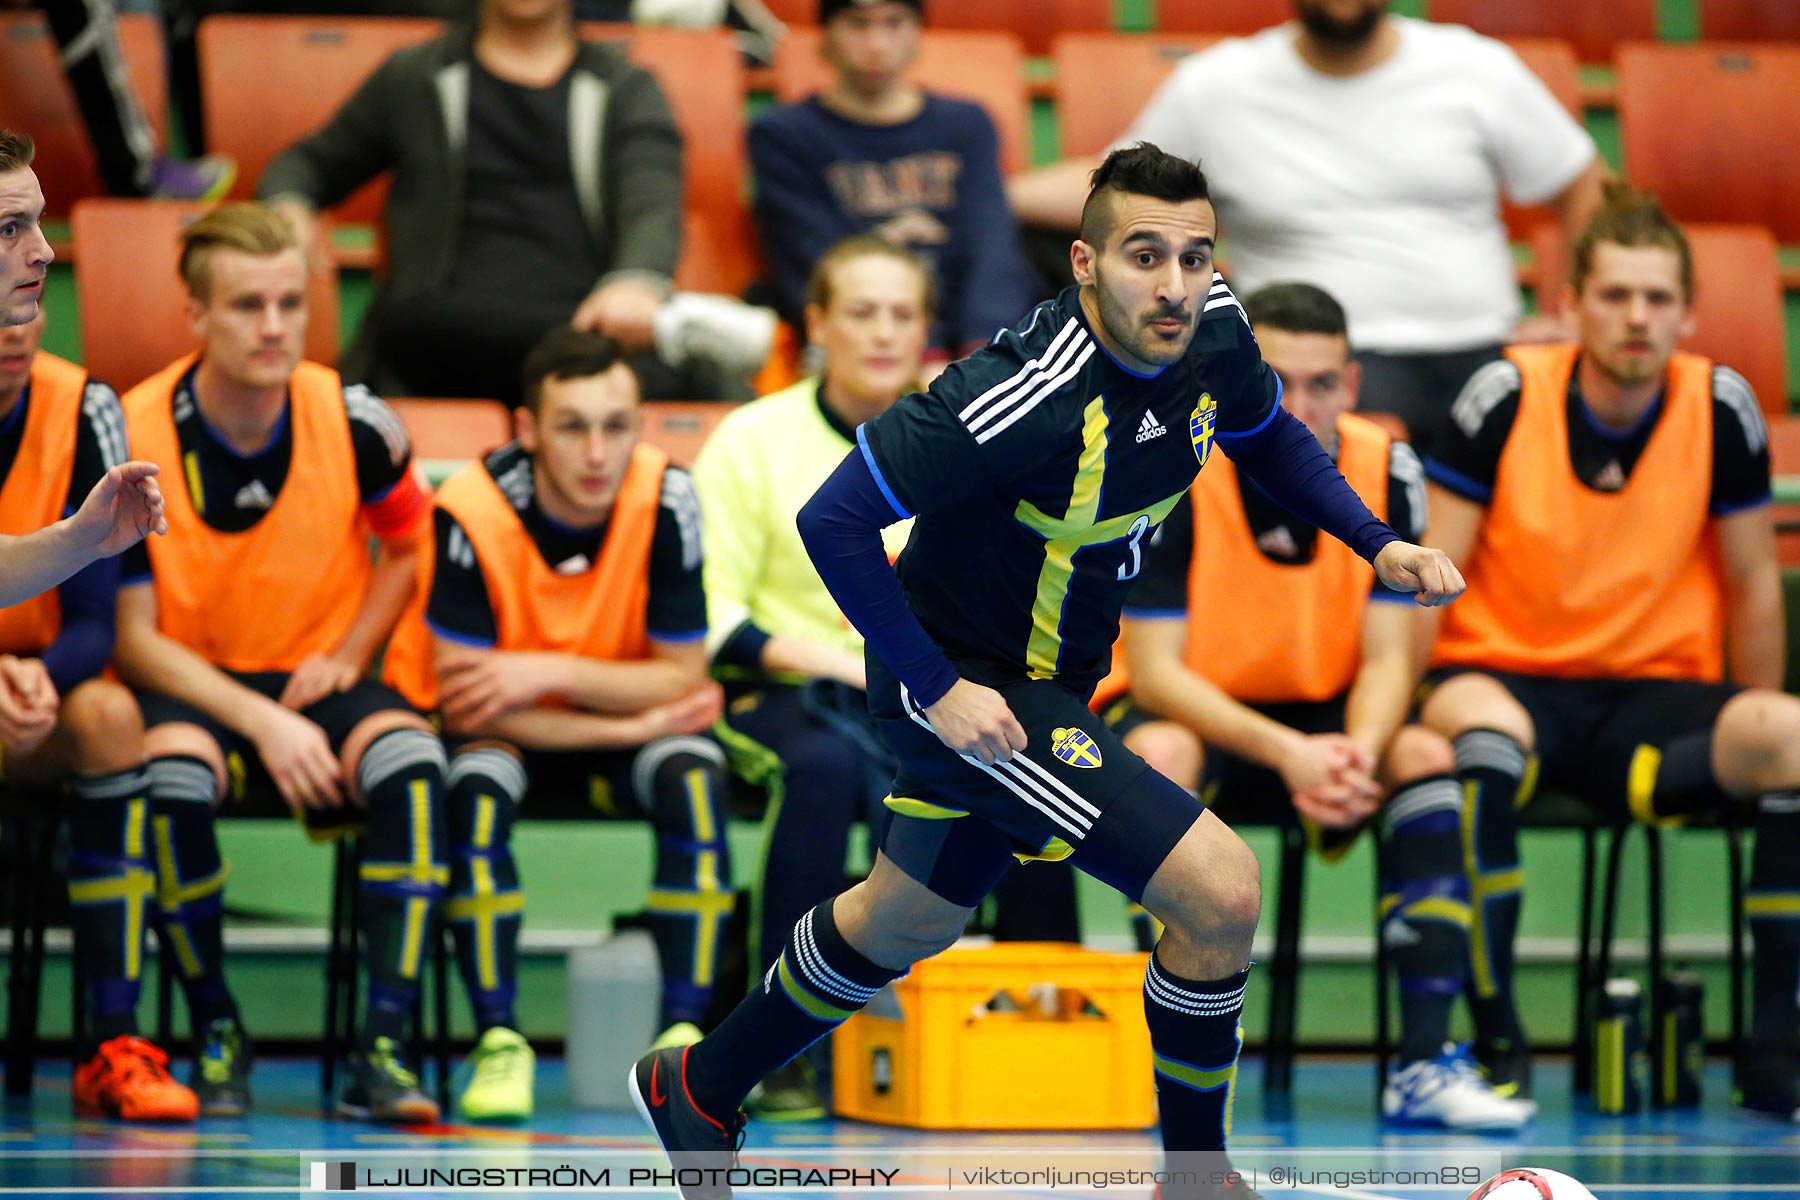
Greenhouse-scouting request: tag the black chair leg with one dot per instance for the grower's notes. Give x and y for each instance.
(340, 965)
(80, 1031)
(25, 976)
(1585, 984)
(1609, 911)
(1734, 871)
(1278, 1062)
(1659, 1032)
(1384, 1044)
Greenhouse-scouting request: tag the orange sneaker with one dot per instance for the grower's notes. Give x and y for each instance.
(129, 1078)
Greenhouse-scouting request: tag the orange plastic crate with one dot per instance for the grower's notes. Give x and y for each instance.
(929, 1053)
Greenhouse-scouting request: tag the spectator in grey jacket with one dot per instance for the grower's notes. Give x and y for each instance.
(536, 182)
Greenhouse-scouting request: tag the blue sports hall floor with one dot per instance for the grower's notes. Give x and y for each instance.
(1327, 1126)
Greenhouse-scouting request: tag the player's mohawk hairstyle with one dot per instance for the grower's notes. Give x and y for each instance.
(1141, 170)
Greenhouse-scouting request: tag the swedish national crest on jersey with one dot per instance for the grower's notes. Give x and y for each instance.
(1201, 424)
(1074, 747)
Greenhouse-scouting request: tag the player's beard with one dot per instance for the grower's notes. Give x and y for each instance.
(1630, 370)
(1130, 331)
(1344, 34)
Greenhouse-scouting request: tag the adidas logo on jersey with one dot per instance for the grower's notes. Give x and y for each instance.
(1279, 543)
(1148, 428)
(254, 495)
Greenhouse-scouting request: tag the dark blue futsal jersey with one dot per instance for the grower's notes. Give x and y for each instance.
(1037, 471)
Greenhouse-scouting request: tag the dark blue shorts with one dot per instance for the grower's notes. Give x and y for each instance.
(1074, 792)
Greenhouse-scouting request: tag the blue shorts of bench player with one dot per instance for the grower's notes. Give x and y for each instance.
(1074, 792)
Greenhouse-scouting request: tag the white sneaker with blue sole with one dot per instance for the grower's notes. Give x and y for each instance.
(1448, 1091)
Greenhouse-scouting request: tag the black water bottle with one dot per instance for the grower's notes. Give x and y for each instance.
(1620, 1063)
(1683, 1048)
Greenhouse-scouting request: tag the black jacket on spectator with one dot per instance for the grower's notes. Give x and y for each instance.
(411, 118)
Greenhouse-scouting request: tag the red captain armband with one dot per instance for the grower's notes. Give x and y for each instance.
(401, 513)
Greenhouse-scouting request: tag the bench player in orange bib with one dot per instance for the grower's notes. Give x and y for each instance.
(248, 632)
(1623, 624)
(562, 635)
(62, 724)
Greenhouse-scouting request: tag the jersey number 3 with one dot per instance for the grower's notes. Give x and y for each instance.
(1134, 539)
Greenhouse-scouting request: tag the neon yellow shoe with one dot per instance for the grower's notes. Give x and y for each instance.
(500, 1071)
(682, 1033)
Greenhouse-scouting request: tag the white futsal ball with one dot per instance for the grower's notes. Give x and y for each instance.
(1531, 1183)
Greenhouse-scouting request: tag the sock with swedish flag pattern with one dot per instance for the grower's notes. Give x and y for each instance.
(1425, 910)
(405, 871)
(1774, 910)
(1490, 766)
(1194, 1041)
(190, 882)
(817, 984)
(110, 886)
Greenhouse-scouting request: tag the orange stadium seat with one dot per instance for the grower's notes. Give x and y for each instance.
(702, 73)
(987, 68)
(1224, 17)
(131, 302)
(1750, 20)
(1103, 80)
(1554, 62)
(794, 12)
(1594, 28)
(266, 82)
(1738, 303)
(1035, 21)
(453, 430)
(35, 98)
(1709, 127)
(681, 427)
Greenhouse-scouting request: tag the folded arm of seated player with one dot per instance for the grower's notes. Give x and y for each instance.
(479, 686)
(569, 729)
(503, 692)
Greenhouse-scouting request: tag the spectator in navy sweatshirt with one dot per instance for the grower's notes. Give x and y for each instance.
(875, 154)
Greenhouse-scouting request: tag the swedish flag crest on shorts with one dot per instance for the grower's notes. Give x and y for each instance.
(1074, 747)
(1201, 423)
